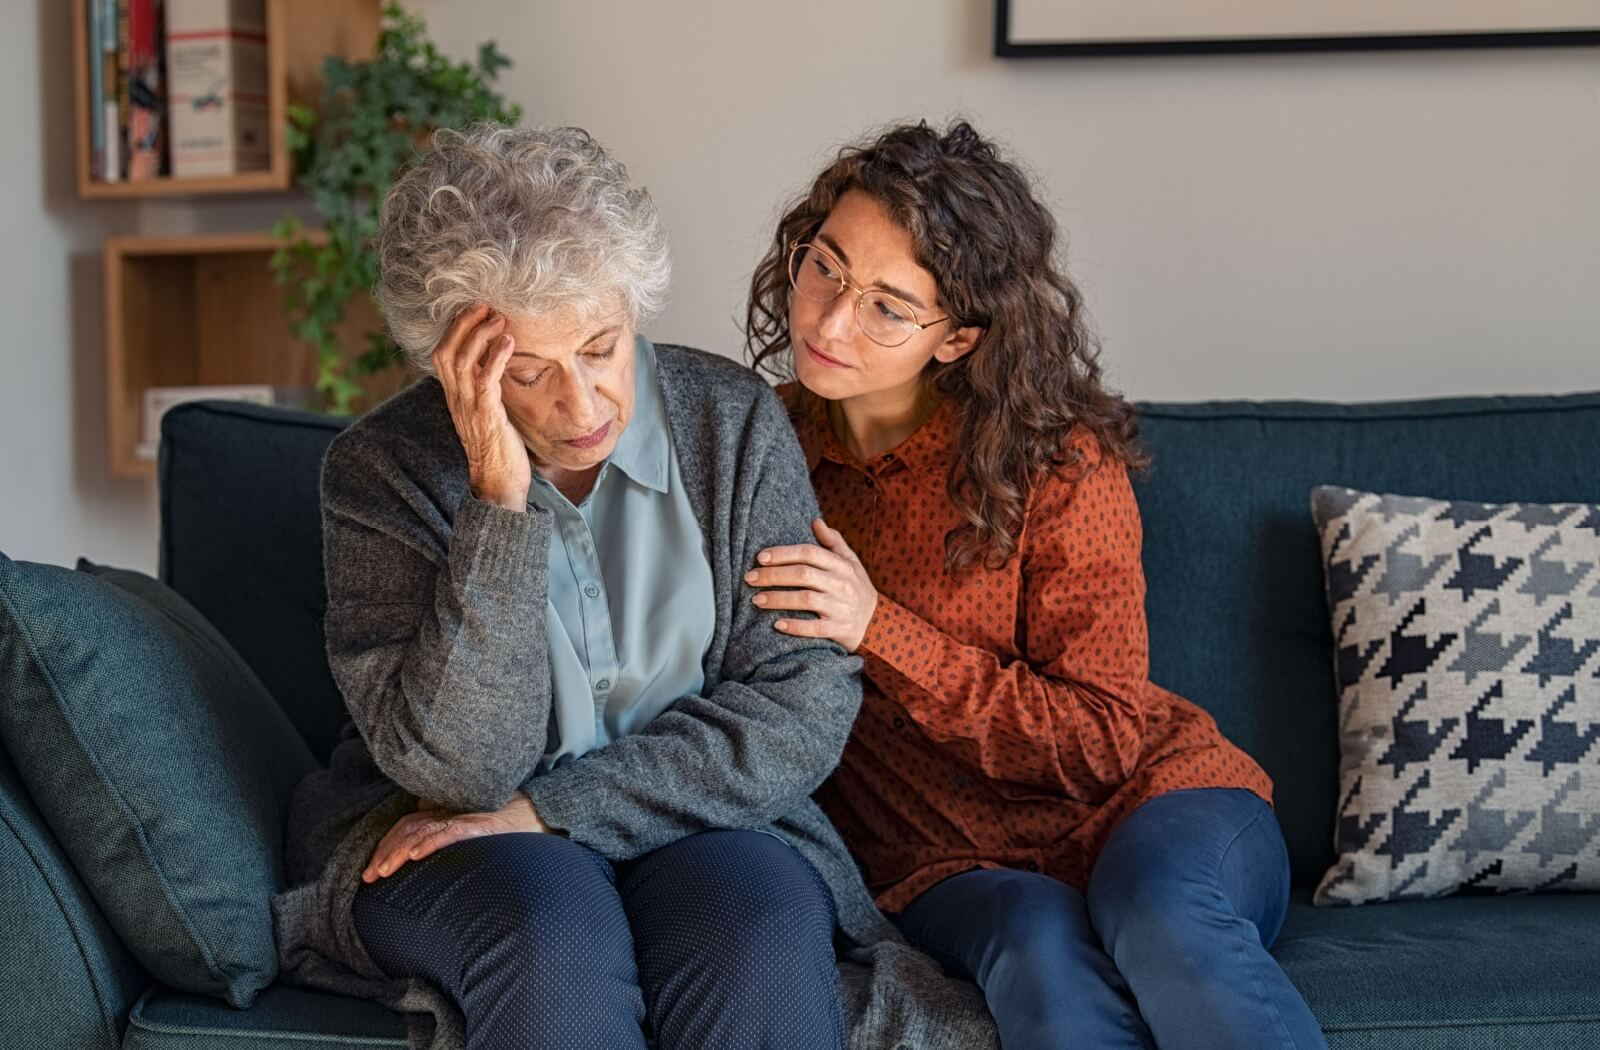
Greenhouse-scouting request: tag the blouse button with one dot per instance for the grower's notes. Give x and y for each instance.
(871, 481)
(898, 723)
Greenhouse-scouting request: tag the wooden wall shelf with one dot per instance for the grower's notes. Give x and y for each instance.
(300, 35)
(202, 310)
(205, 310)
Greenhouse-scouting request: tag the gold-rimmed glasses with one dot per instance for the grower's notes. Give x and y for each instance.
(886, 319)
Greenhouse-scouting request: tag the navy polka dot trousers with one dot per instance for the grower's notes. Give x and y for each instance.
(720, 940)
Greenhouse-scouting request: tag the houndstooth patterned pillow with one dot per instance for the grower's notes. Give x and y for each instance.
(1467, 642)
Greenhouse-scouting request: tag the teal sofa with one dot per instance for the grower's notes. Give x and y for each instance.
(1237, 623)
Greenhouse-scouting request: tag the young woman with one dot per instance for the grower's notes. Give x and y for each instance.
(1032, 810)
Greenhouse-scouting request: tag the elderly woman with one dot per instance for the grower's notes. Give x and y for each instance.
(572, 802)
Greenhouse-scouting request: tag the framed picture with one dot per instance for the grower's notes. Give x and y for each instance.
(1028, 28)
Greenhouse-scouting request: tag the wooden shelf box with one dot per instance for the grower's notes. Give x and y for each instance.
(202, 310)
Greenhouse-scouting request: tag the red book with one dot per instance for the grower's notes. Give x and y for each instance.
(146, 104)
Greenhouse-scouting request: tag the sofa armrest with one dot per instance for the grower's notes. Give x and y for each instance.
(66, 981)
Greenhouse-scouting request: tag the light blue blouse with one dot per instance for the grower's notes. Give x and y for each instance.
(631, 602)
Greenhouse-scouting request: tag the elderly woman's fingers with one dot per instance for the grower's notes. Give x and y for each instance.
(445, 352)
(458, 367)
(470, 370)
(489, 377)
(393, 846)
(392, 850)
(438, 840)
(474, 351)
(386, 847)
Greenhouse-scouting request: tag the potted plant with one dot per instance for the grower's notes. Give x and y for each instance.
(374, 116)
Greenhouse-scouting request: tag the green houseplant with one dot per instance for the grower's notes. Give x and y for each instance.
(374, 115)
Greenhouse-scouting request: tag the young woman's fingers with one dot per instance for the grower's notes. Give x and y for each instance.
(806, 628)
(806, 576)
(810, 601)
(832, 540)
(798, 554)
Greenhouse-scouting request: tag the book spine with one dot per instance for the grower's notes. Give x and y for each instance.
(111, 132)
(124, 79)
(144, 92)
(97, 125)
(216, 81)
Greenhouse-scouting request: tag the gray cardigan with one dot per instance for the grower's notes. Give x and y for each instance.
(432, 598)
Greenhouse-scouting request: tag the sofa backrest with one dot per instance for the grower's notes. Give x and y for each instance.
(1238, 620)
(1237, 609)
(241, 539)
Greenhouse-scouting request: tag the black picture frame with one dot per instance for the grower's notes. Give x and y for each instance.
(1005, 48)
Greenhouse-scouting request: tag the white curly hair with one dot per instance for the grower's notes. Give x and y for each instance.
(525, 220)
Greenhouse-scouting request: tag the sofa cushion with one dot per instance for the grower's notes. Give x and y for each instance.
(1238, 622)
(241, 539)
(1463, 973)
(1467, 643)
(159, 762)
(282, 1018)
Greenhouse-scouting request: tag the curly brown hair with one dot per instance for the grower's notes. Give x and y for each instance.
(978, 228)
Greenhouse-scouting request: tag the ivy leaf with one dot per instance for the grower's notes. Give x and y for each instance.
(491, 60)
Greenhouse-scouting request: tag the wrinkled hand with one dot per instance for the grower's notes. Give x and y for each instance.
(829, 581)
(431, 828)
(470, 361)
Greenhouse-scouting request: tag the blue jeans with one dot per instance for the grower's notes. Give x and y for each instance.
(1168, 948)
(720, 940)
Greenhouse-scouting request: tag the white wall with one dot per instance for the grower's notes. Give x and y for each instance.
(1347, 226)
(1344, 225)
(56, 500)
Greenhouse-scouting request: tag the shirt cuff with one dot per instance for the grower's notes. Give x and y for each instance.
(899, 641)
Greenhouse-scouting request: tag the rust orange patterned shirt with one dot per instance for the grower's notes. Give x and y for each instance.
(1008, 718)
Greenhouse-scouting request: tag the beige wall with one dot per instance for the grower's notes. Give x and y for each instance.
(1348, 226)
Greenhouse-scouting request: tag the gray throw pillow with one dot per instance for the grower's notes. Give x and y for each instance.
(1467, 652)
(160, 763)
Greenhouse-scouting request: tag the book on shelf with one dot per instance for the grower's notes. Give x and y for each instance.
(146, 106)
(97, 131)
(217, 86)
(122, 96)
(103, 100)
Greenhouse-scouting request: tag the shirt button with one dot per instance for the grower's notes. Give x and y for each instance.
(871, 481)
(592, 591)
(898, 723)
(603, 684)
